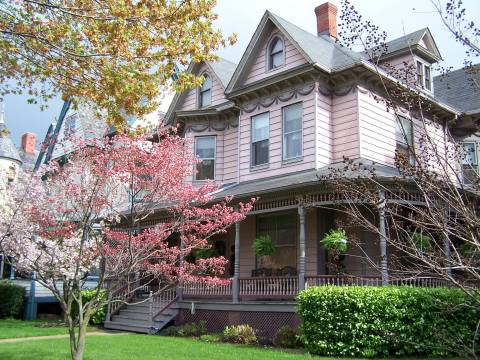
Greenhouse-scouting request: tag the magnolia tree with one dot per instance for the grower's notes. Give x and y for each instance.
(89, 211)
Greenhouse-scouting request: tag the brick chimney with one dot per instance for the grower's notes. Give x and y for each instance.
(326, 19)
(29, 141)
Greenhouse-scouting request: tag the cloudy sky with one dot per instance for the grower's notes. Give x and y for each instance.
(396, 17)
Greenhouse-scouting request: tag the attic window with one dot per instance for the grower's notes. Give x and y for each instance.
(424, 76)
(276, 57)
(205, 94)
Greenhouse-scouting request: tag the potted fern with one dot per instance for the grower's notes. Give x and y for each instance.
(263, 247)
(336, 243)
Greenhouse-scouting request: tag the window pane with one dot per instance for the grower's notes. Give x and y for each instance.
(205, 98)
(260, 153)
(277, 46)
(292, 118)
(403, 131)
(260, 127)
(293, 145)
(277, 60)
(427, 78)
(205, 147)
(469, 154)
(205, 170)
(207, 83)
(419, 73)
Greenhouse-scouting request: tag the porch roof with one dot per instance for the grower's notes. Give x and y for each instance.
(307, 178)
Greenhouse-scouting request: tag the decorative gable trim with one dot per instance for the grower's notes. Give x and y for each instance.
(254, 46)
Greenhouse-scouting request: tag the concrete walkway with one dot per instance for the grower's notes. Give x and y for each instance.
(64, 336)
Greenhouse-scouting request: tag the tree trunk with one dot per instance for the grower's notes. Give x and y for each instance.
(77, 340)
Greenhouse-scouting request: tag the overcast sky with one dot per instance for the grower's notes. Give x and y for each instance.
(396, 17)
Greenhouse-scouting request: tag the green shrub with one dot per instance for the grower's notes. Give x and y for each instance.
(286, 337)
(99, 316)
(193, 329)
(335, 240)
(11, 300)
(382, 321)
(211, 338)
(239, 334)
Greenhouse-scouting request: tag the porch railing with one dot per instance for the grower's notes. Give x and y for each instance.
(200, 289)
(269, 287)
(342, 280)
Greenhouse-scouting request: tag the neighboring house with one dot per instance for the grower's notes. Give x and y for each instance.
(12, 161)
(295, 106)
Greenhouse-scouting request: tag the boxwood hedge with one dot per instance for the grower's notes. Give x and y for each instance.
(11, 300)
(380, 321)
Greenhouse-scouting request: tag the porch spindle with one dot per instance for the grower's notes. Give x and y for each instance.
(301, 257)
(383, 238)
(236, 265)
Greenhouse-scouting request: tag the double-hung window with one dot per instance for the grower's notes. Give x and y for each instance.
(470, 162)
(276, 56)
(205, 151)
(424, 76)
(292, 118)
(404, 137)
(260, 134)
(205, 94)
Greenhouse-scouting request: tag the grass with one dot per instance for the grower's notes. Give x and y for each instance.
(133, 346)
(11, 328)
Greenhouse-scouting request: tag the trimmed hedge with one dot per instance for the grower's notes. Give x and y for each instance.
(11, 300)
(381, 321)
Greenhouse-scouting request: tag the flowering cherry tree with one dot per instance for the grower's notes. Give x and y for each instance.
(89, 213)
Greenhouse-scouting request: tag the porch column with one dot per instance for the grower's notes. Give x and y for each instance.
(446, 242)
(236, 265)
(301, 248)
(383, 238)
(2, 262)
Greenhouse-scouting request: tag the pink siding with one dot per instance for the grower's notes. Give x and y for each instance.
(324, 135)
(258, 69)
(377, 129)
(226, 153)
(275, 166)
(190, 97)
(345, 127)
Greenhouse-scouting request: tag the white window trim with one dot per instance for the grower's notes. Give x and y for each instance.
(424, 80)
(291, 132)
(407, 146)
(199, 92)
(267, 52)
(252, 166)
(214, 158)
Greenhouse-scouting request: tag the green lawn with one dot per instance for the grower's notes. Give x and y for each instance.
(10, 328)
(144, 347)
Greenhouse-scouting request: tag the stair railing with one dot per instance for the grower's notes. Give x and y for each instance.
(117, 299)
(165, 297)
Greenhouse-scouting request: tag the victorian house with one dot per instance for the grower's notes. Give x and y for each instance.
(291, 110)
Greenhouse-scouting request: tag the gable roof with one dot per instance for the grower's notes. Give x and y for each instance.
(223, 70)
(319, 50)
(460, 89)
(412, 41)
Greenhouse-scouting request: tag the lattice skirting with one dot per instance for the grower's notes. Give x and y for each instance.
(265, 323)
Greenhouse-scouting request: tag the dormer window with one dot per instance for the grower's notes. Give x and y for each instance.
(424, 76)
(205, 94)
(276, 56)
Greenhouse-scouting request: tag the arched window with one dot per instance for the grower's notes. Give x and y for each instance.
(276, 57)
(205, 95)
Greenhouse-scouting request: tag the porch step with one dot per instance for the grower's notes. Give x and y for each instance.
(128, 326)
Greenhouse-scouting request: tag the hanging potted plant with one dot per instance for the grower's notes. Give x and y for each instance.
(336, 243)
(263, 247)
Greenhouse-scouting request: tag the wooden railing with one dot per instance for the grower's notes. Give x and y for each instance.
(200, 289)
(342, 280)
(162, 300)
(269, 287)
(118, 298)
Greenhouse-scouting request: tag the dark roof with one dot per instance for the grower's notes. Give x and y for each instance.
(7, 148)
(322, 50)
(403, 42)
(459, 88)
(306, 178)
(224, 70)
